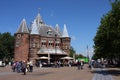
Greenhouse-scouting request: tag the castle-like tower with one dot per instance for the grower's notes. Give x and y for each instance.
(40, 40)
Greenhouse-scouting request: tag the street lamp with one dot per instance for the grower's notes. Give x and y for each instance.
(55, 46)
(87, 52)
(87, 57)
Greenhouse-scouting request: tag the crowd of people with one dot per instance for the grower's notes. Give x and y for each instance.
(22, 66)
(80, 64)
(70, 63)
(55, 64)
(98, 63)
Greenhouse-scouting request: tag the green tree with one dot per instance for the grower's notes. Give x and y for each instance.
(72, 51)
(107, 39)
(6, 46)
(79, 56)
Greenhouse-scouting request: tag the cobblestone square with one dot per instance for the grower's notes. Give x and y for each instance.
(62, 73)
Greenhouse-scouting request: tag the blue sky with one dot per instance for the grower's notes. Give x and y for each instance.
(82, 17)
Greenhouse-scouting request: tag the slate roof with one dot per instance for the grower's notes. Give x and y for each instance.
(23, 28)
(58, 30)
(40, 28)
(44, 29)
(65, 32)
(34, 28)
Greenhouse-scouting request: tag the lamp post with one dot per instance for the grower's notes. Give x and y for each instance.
(87, 54)
(48, 57)
(55, 46)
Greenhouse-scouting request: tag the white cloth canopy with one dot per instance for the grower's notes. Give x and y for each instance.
(67, 57)
(43, 57)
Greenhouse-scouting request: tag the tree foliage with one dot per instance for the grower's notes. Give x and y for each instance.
(6, 46)
(72, 51)
(107, 39)
(79, 56)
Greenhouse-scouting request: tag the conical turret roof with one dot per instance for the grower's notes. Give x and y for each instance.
(65, 32)
(34, 28)
(57, 28)
(39, 19)
(23, 27)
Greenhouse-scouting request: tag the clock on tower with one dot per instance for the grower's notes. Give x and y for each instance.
(18, 40)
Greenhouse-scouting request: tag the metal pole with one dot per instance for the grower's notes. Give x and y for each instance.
(87, 53)
(48, 57)
(74, 57)
(55, 47)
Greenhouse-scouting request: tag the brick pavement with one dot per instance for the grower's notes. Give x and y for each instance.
(106, 74)
(63, 73)
(115, 72)
(102, 74)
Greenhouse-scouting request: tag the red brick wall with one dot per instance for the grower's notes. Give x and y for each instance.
(34, 46)
(22, 50)
(66, 44)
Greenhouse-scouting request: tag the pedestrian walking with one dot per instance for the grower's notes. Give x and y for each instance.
(40, 64)
(24, 67)
(81, 64)
(18, 66)
(78, 65)
(31, 66)
(14, 66)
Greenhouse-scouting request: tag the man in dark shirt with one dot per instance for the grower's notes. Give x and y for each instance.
(24, 66)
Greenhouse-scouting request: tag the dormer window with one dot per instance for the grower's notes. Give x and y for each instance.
(43, 42)
(49, 32)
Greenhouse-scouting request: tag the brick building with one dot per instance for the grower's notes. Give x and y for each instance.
(41, 40)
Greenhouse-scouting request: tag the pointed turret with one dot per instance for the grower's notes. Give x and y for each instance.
(65, 32)
(23, 27)
(57, 29)
(21, 42)
(66, 41)
(39, 19)
(34, 28)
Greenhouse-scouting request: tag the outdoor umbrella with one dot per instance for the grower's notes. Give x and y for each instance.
(67, 57)
(43, 57)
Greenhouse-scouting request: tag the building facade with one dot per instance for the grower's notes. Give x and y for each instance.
(40, 40)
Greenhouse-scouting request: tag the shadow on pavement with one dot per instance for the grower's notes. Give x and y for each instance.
(114, 72)
(107, 72)
(40, 74)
